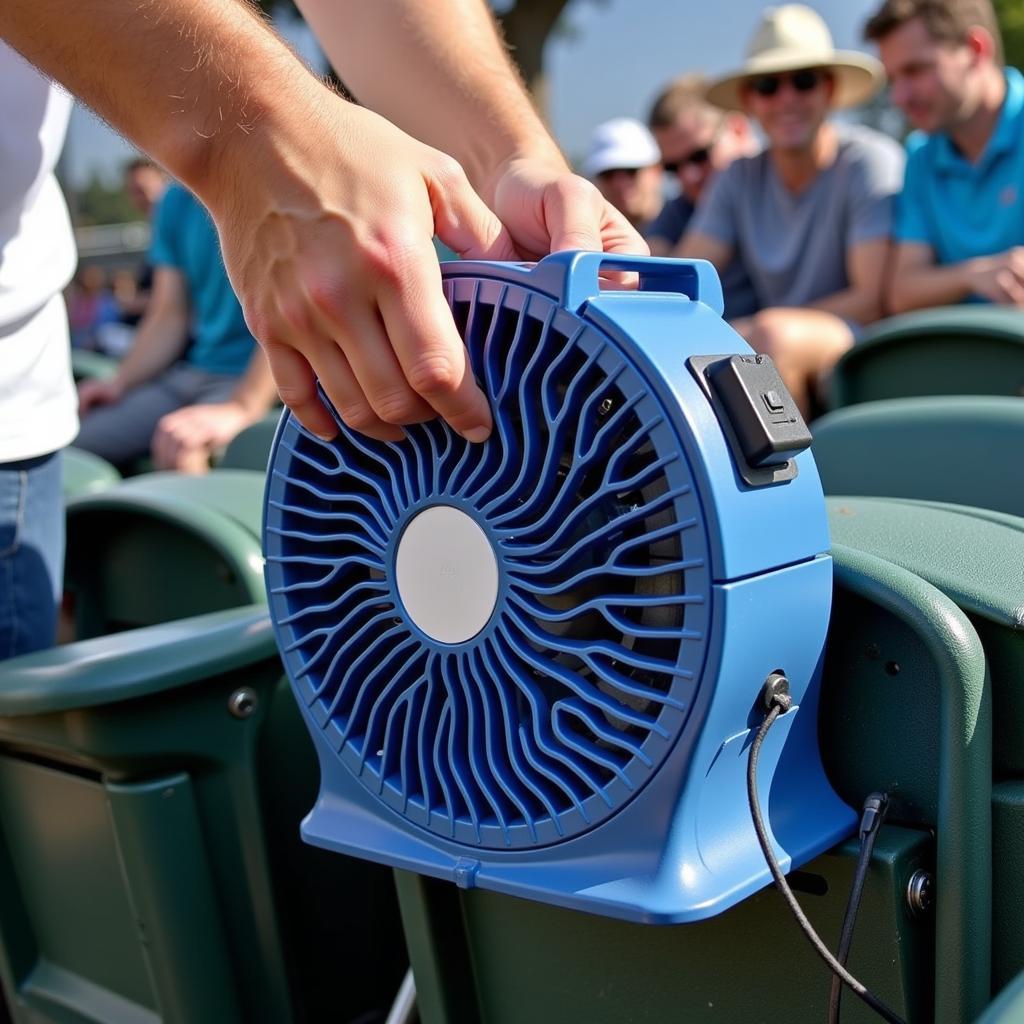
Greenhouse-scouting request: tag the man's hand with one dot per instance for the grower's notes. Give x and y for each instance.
(94, 392)
(187, 438)
(999, 278)
(332, 257)
(545, 208)
(329, 247)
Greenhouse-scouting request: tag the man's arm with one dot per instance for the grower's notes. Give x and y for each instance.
(477, 110)
(160, 339)
(451, 84)
(187, 438)
(861, 302)
(918, 282)
(325, 210)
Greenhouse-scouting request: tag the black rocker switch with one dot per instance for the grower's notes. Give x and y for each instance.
(764, 417)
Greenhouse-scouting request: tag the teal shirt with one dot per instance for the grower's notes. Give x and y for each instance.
(960, 209)
(184, 238)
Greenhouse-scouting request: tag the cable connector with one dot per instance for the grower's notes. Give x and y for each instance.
(775, 693)
(871, 820)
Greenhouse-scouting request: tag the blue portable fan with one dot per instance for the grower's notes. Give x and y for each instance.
(533, 665)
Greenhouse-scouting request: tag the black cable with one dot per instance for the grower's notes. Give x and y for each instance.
(871, 820)
(778, 699)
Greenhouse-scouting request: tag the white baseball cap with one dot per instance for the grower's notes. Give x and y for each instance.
(620, 143)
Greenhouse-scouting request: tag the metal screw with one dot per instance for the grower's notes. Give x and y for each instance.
(605, 407)
(921, 893)
(242, 703)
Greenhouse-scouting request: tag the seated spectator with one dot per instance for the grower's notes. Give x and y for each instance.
(811, 215)
(182, 402)
(91, 306)
(115, 338)
(144, 184)
(697, 141)
(960, 218)
(625, 164)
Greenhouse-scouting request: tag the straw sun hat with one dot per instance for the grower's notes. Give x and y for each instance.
(792, 37)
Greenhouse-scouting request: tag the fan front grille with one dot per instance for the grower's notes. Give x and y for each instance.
(555, 714)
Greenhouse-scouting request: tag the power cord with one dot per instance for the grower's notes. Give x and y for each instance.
(777, 701)
(871, 820)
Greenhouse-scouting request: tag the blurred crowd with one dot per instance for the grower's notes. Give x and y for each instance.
(819, 225)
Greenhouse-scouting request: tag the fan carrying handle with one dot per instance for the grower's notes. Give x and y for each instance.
(573, 278)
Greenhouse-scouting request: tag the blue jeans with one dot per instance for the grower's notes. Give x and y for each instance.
(31, 553)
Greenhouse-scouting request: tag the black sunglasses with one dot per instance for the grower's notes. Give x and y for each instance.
(802, 81)
(697, 158)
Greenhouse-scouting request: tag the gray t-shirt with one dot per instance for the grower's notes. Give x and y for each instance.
(794, 247)
(671, 225)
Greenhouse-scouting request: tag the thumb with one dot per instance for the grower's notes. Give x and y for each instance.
(463, 221)
(572, 212)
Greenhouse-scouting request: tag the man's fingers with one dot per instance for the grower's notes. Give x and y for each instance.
(340, 385)
(296, 384)
(375, 384)
(462, 220)
(433, 358)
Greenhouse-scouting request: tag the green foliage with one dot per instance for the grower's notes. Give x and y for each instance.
(102, 203)
(1011, 21)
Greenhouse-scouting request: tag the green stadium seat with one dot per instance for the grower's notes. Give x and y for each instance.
(952, 350)
(85, 473)
(151, 870)
(86, 365)
(251, 448)
(164, 546)
(963, 449)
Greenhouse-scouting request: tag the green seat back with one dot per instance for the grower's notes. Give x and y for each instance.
(85, 473)
(164, 546)
(952, 350)
(86, 365)
(966, 450)
(976, 558)
(251, 448)
(151, 871)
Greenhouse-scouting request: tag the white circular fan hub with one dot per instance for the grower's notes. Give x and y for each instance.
(447, 574)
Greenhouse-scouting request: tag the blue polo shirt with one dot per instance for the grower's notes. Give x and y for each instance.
(184, 238)
(962, 209)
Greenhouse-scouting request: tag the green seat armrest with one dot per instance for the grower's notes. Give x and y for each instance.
(977, 560)
(136, 663)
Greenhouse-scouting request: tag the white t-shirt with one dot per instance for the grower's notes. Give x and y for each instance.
(37, 258)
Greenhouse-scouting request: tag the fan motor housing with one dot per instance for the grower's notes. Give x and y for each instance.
(533, 665)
